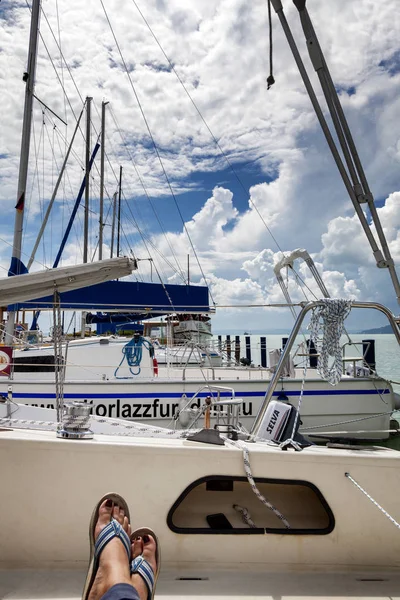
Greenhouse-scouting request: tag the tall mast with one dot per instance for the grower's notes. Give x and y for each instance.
(87, 185)
(54, 194)
(102, 143)
(119, 211)
(17, 267)
(113, 224)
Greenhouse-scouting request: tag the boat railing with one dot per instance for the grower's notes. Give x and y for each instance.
(352, 363)
(306, 308)
(220, 403)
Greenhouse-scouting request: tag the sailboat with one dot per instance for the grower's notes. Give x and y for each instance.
(237, 515)
(106, 372)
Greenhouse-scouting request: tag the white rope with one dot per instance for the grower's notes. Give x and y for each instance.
(247, 467)
(246, 517)
(133, 428)
(328, 320)
(29, 422)
(143, 430)
(373, 501)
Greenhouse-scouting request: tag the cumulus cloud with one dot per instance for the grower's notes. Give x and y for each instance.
(219, 50)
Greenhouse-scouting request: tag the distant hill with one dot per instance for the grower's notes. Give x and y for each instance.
(386, 329)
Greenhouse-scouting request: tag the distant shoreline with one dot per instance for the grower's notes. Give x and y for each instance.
(378, 330)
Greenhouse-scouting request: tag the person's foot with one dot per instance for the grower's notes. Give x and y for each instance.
(146, 546)
(113, 562)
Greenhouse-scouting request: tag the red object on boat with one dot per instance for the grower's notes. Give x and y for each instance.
(155, 366)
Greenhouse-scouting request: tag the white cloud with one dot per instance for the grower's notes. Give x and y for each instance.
(219, 49)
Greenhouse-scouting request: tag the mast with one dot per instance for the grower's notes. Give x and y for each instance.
(119, 211)
(102, 144)
(17, 267)
(53, 197)
(113, 224)
(87, 186)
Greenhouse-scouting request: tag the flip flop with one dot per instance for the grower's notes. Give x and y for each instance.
(109, 532)
(142, 567)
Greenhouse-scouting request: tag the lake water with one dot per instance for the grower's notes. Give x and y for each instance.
(387, 351)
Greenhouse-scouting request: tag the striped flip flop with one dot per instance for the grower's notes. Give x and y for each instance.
(140, 565)
(110, 531)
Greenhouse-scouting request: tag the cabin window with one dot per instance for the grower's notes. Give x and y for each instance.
(34, 364)
(207, 507)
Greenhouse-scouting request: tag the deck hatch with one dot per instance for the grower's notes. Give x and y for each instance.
(300, 502)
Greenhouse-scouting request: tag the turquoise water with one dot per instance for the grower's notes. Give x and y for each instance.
(387, 356)
(387, 351)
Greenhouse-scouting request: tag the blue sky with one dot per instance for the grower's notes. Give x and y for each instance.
(289, 186)
(202, 184)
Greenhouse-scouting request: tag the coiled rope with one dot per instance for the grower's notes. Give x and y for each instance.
(246, 516)
(327, 321)
(133, 353)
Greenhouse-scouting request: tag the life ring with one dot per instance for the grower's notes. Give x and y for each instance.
(5, 363)
(155, 367)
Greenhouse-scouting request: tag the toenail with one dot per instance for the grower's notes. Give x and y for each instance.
(109, 502)
(146, 539)
(137, 539)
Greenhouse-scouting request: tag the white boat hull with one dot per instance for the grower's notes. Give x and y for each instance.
(157, 400)
(97, 373)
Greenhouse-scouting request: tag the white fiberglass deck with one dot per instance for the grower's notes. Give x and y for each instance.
(220, 585)
(49, 488)
(50, 485)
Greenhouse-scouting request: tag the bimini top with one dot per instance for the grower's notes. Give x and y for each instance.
(143, 299)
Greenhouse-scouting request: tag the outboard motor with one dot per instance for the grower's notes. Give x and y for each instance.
(278, 422)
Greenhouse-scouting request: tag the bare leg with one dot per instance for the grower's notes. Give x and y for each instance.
(113, 563)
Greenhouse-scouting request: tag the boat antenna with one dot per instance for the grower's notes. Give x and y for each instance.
(352, 172)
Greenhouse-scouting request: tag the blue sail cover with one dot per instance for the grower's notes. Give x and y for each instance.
(143, 299)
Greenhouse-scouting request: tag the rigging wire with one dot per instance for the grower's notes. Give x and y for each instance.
(65, 62)
(61, 63)
(68, 202)
(144, 237)
(302, 281)
(61, 81)
(73, 151)
(4, 241)
(35, 177)
(179, 272)
(233, 170)
(156, 149)
(67, 67)
(95, 166)
(110, 198)
(151, 136)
